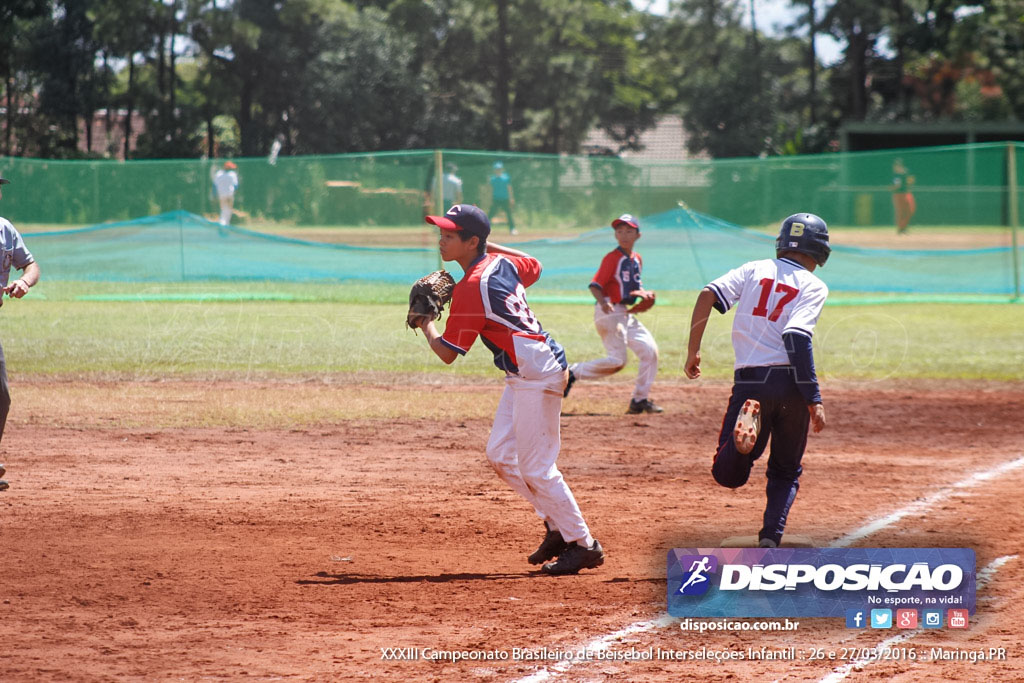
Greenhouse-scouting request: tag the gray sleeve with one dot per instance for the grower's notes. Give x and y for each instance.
(22, 257)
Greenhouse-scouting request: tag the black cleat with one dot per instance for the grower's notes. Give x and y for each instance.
(552, 546)
(568, 385)
(644, 405)
(575, 558)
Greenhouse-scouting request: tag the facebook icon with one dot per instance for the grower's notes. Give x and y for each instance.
(856, 618)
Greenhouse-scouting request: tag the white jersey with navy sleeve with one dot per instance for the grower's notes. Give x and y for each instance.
(771, 297)
(12, 251)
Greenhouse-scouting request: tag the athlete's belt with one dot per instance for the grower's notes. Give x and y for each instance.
(759, 373)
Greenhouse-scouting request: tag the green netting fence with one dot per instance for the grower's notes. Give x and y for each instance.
(682, 249)
(966, 185)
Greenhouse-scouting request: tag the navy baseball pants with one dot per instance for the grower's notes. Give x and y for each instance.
(785, 419)
(5, 394)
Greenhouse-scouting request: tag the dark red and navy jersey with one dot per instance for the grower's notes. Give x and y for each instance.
(619, 276)
(490, 302)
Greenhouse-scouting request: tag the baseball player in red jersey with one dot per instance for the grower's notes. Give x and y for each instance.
(615, 287)
(775, 391)
(490, 302)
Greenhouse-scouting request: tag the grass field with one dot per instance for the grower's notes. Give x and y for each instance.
(358, 328)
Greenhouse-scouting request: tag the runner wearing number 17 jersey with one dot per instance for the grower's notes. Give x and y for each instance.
(775, 390)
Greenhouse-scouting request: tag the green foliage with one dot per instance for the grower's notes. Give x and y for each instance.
(1000, 37)
(329, 76)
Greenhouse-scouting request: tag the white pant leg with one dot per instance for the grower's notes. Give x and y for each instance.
(226, 205)
(612, 329)
(536, 411)
(641, 342)
(501, 449)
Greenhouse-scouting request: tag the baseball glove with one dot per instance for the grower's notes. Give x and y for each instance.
(645, 303)
(428, 297)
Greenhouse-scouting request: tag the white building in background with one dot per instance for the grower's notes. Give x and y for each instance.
(666, 141)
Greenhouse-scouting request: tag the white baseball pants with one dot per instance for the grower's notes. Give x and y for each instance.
(226, 206)
(620, 330)
(524, 445)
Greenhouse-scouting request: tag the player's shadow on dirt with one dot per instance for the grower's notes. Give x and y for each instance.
(325, 579)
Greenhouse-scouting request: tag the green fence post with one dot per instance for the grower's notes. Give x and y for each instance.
(1011, 182)
(439, 193)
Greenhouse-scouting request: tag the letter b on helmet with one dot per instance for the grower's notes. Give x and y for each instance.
(804, 233)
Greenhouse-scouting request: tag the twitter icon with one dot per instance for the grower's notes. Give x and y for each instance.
(881, 618)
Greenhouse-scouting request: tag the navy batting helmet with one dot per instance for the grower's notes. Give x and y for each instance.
(805, 233)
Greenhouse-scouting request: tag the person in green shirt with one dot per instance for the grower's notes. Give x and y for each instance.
(902, 199)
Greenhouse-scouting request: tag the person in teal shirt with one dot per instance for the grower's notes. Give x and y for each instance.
(501, 195)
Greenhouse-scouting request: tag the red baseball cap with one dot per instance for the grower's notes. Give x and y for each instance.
(626, 219)
(463, 218)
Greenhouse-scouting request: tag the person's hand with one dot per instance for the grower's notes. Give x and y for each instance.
(692, 367)
(817, 411)
(607, 306)
(16, 289)
(423, 322)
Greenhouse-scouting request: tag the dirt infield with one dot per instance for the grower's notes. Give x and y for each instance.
(301, 553)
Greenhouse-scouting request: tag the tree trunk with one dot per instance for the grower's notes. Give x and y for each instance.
(757, 50)
(245, 127)
(108, 124)
(89, 116)
(812, 63)
(857, 56)
(210, 142)
(711, 36)
(172, 99)
(503, 75)
(10, 112)
(900, 60)
(161, 62)
(128, 116)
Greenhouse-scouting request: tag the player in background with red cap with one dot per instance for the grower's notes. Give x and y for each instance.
(616, 287)
(226, 182)
(490, 302)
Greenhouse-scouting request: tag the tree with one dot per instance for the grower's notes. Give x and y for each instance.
(726, 96)
(999, 33)
(15, 17)
(858, 23)
(62, 52)
(124, 26)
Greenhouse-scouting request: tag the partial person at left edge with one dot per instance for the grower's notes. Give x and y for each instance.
(13, 253)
